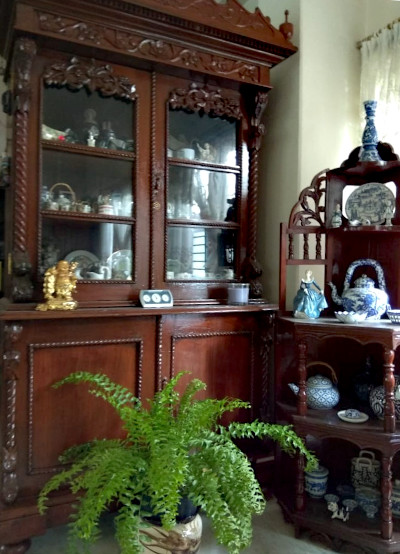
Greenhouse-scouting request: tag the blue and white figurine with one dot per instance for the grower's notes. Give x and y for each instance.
(309, 300)
(363, 297)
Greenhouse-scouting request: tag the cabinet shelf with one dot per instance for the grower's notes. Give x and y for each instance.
(87, 150)
(203, 165)
(372, 229)
(78, 216)
(326, 424)
(359, 529)
(203, 223)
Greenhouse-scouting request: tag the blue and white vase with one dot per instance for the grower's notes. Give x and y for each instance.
(369, 151)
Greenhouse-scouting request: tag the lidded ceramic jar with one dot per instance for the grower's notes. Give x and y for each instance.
(316, 481)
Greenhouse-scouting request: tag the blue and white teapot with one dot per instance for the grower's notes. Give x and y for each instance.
(321, 392)
(363, 297)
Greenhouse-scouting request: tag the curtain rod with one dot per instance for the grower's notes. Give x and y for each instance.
(388, 26)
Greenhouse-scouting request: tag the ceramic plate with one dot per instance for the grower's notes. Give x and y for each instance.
(368, 204)
(360, 419)
(121, 264)
(84, 258)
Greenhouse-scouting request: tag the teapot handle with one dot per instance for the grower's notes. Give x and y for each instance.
(333, 374)
(365, 261)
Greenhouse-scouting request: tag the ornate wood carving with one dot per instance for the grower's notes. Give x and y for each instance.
(25, 51)
(310, 206)
(164, 50)
(79, 73)
(230, 14)
(11, 360)
(205, 100)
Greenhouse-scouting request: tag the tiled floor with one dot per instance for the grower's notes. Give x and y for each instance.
(271, 536)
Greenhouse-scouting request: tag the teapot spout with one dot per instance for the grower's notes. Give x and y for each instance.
(335, 297)
(294, 388)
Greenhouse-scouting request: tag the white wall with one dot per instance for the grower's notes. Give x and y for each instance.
(312, 120)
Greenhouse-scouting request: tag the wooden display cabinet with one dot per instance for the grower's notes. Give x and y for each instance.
(308, 241)
(136, 135)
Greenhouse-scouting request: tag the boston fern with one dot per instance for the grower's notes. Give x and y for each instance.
(172, 449)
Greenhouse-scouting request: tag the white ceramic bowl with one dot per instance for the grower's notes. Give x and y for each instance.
(350, 317)
(394, 316)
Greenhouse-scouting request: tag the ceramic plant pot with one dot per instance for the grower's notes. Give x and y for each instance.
(183, 538)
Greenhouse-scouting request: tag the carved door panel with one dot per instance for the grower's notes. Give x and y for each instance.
(230, 353)
(39, 422)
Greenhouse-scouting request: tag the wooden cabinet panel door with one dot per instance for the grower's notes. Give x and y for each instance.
(49, 420)
(224, 351)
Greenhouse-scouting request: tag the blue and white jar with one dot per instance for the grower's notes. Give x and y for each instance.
(316, 482)
(396, 498)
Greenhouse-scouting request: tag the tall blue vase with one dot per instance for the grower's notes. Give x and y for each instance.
(369, 151)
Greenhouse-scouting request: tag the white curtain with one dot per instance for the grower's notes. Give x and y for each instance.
(380, 81)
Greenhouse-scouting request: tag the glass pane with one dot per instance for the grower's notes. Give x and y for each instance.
(90, 184)
(83, 117)
(200, 253)
(201, 137)
(102, 250)
(200, 194)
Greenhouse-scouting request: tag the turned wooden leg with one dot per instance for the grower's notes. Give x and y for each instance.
(386, 488)
(389, 414)
(18, 548)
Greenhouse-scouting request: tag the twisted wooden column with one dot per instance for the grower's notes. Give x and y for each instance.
(251, 268)
(25, 51)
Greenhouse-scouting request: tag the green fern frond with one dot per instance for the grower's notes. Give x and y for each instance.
(176, 447)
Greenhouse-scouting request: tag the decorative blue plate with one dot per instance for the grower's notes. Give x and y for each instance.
(368, 204)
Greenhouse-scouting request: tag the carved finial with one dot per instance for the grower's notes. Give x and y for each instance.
(286, 28)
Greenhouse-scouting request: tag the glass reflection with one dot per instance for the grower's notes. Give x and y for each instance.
(200, 194)
(200, 253)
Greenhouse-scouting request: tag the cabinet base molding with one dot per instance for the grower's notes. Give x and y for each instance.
(18, 548)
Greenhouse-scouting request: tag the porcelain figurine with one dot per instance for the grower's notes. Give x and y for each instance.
(363, 297)
(309, 300)
(336, 220)
(59, 284)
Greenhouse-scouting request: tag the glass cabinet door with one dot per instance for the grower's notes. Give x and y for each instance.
(203, 186)
(87, 196)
